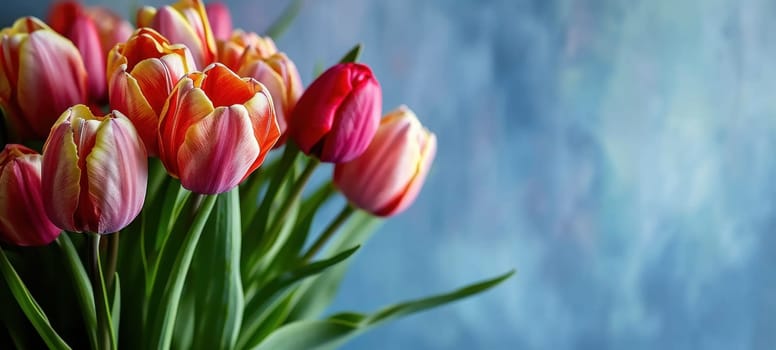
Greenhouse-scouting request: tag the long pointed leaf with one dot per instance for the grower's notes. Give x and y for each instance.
(336, 330)
(83, 286)
(29, 306)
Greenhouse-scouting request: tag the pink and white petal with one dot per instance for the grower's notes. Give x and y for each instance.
(117, 174)
(218, 151)
(406, 198)
(176, 28)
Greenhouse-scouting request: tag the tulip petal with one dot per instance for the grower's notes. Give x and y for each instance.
(405, 198)
(215, 167)
(127, 97)
(59, 177)
(224, 87)
(265, 125)
(177, 29)
(355, 126)
(185, 106)
(83, 34)
(51, 78)
(117, 180)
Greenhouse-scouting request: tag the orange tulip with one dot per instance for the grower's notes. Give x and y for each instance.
(216, 129)
(94, 172)
(41, 75)
(141, 74)
(183, 23)
(279, 74)
(23, 220)
(230, 52)
(388, 176)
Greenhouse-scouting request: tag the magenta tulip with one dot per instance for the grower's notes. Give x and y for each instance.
(94, 172)
(23, 220)
(387, 178)
(337, 116)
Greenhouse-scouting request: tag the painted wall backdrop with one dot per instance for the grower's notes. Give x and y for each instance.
(619, 154)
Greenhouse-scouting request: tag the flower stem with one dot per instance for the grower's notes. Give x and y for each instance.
(343, 216)
(103, 338)
(113, 253)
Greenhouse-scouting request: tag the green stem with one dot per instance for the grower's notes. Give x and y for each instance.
(113, 253)
(269, 238)
(93, 241)
(343, 216)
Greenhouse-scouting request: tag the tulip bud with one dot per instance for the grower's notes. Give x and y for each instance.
(111, 27)
(69, 19)
(337, 116)
(388, 176)
(279, 74)
(216, 129)
(183, 23)
(141, 73)
(23, 220)
(41, 75)
(220, 20)
(94, 172)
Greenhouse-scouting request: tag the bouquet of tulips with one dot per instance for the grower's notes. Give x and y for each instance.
(143, 205)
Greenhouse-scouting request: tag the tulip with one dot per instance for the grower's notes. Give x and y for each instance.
(230, 52)
(337, 116)
(41, 75)
(141, 74)
(183, 23)
(386, 179)
(23, 220)
(216, 129)
(111, 27)
(94, 172)
(279, 74)
(69, 19)
(220, 20)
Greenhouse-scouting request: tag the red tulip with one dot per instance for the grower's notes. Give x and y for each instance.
(279, 74)
(183, 23)
(387, 178)
(94, 172)
(220, 20)
(41, 75)
(69, 19)
(216, 129)
(141, 74)
(337, 116)
(23, 220)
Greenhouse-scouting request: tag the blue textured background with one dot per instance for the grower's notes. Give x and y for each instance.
(618, 154)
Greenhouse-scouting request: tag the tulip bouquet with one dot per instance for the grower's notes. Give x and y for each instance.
(164, 136)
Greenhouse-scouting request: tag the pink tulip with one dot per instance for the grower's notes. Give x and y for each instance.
(141, 74)
(184, 23)
(387, 178)
(337, 116)
(41, 75)
(216, 129)
(23, 220)
(220, 20)
(111, 27)
(69, 19)
(94, 172)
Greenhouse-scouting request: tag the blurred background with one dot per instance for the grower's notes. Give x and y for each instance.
(619, 155)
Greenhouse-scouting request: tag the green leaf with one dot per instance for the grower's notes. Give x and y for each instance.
(274, 290)
(216, 279)
(352, 55)
(29, 306)
(165, 304)
(284, 21)
(316, 294)
(336, 330)
(82, 284)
